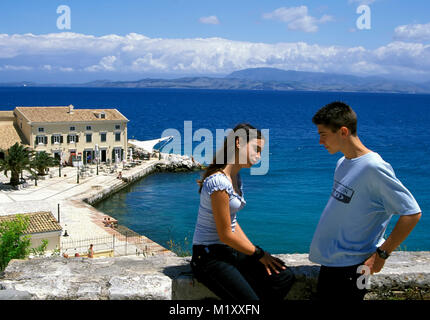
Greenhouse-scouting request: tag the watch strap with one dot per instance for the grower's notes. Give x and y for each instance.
(258, 253)
(382, 253)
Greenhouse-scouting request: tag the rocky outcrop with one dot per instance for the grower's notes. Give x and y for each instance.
(177, 163)
(168, 277)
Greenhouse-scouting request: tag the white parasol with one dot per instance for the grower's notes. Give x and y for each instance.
(148, 145)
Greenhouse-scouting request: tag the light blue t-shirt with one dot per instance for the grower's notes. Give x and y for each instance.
(365, 195)
(205, 232)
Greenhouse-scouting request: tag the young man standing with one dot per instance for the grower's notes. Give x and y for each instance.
(365, 195)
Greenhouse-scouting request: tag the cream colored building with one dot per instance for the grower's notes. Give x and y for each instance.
(74, 134)
(41, 226)
(9, 134)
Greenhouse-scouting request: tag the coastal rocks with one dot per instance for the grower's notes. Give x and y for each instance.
(177, 163)
(168, 277)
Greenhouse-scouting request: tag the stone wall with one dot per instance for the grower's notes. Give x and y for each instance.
(172, 163)
(168, 277)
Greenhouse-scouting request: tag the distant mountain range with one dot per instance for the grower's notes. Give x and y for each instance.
(262, 79)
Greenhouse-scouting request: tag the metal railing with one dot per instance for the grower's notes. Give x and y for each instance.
(112, 245)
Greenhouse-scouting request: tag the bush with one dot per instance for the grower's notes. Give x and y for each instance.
(178, 249)
(13, 243)
(40, 250)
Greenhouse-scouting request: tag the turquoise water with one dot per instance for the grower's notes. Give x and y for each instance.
(283, 206)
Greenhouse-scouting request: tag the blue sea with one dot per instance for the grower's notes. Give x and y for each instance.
(283, 206)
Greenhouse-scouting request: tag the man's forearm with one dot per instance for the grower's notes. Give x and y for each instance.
(401, 231)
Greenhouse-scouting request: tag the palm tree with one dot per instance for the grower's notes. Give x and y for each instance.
(41, 161)
(17, 159)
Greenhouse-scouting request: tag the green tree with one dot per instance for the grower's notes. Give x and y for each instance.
(41, 161)
(17, 159)
(14, 244)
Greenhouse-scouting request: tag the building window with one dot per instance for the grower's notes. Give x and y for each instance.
(117, 127)
(71, 138)
(89, 128)
(88, 137)
(103, 137)
(116, 154)
(41, 140)
(56, 139)
(118, 136)
(72, 128)
(102, 115)
(41, 129)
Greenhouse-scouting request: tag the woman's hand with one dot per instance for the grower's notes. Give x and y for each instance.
(272, 263)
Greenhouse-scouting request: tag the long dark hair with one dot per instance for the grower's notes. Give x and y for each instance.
(226, 155)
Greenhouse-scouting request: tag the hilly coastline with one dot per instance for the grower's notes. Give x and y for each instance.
(262, 79)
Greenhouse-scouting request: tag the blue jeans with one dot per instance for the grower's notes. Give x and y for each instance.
(232, 275)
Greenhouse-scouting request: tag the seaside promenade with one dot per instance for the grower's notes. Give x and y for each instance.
(69, 203)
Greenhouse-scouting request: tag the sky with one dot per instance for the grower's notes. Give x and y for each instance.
(75, 41)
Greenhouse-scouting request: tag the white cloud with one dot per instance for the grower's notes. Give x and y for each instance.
(67, 69)
(413, 32)
(105, 64)
(137, 54)
(297, 18)
(209, 20)
(17, 68)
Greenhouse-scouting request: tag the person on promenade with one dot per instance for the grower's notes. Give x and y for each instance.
(224, 259)
(91, 251)
(348, 240)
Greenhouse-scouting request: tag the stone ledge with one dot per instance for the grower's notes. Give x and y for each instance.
(169, 278)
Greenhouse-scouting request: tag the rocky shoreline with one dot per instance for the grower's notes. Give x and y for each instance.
(177, 163)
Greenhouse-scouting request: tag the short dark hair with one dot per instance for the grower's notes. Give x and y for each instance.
(336, 115)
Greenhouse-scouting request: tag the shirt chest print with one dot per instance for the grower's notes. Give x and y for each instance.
(341, 192)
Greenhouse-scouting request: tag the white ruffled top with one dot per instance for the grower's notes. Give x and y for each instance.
(205, 232)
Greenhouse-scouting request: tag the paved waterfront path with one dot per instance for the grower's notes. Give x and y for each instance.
(81, 220)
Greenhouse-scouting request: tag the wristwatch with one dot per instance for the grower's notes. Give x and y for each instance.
(258, 253)
(382, 253)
